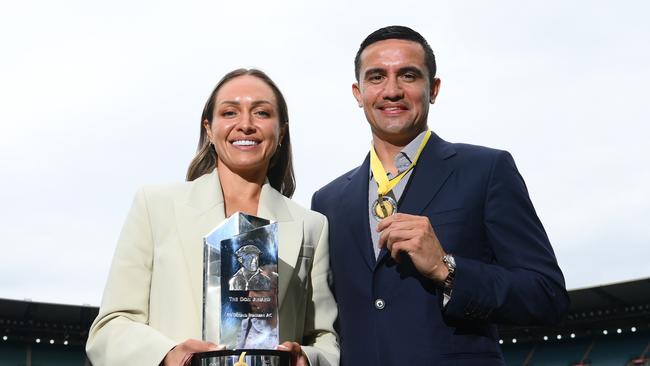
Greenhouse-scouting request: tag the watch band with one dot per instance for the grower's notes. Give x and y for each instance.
(448, 283)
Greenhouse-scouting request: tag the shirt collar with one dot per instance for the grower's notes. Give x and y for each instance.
(404, 158)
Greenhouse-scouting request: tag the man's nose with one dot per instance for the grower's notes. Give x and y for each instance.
(392, 90)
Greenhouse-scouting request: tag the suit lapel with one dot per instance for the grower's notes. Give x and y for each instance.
(430, 174)
(272, 206)
(197, 213)
(354, 208)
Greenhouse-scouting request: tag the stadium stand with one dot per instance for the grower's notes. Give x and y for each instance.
(42, 334)
(607, 325)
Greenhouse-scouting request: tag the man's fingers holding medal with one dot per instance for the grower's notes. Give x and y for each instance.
(395, 241)
(402, 221)
(413, 235)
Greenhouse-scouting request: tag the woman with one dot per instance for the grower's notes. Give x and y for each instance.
(151, 308)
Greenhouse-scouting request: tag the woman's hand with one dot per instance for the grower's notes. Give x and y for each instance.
(182, 353)
(298, 358)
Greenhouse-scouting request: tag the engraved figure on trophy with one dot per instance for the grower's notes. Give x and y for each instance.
(249, 289)
(250, 276)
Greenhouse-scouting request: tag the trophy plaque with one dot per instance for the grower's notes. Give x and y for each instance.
(240, 294)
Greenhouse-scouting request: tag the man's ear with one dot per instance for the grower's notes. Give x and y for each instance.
(356, 91)
(435, 88)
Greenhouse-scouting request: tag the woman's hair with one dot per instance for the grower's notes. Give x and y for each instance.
(280, 173)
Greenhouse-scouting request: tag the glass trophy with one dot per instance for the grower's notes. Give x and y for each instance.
(240, 294)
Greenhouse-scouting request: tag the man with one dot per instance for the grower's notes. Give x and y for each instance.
(250, 275)
(465, 250)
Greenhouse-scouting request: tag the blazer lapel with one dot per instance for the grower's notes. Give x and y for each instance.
(197, 213)
(202, 209)
(354, 205)
(430, 174)
(272, 206)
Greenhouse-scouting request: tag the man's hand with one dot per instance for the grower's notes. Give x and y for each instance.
(182, 353)
(414, 236)
(298, 358)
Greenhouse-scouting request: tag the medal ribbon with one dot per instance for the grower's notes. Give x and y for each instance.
(241, 361)
(379, 174)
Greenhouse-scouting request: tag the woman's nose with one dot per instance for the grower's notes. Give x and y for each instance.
(246, 123)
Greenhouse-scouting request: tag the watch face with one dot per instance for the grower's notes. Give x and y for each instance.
(450, 261)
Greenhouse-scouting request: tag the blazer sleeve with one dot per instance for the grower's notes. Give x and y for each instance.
(120, 335)
(523, 284)
(320, 339)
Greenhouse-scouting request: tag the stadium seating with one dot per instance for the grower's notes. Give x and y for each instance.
(612, 350)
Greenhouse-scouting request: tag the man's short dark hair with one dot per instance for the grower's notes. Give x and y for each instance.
(398, 32)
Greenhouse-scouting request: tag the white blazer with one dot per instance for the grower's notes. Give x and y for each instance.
(153, 297)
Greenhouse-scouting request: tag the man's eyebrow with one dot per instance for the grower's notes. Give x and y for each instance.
(403, 70)
(374, 70)
(411, 69)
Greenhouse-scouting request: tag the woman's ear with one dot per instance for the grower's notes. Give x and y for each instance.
(283, 131)
(208, 131)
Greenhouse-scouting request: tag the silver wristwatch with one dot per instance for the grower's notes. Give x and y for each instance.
(450, 262)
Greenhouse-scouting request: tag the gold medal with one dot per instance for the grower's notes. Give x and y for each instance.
(383, 207)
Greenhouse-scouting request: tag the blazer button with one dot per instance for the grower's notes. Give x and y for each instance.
(380, 304)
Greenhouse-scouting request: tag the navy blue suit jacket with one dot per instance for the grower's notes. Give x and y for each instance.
(479, 208)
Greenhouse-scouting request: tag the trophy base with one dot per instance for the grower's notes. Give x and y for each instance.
(242, 357)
